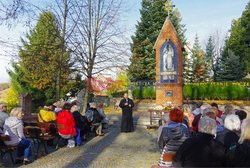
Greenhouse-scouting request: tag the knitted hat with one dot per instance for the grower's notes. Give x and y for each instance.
(176, 115)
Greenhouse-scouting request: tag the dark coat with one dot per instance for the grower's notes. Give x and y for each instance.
(127, 124)
(172, 134)
(239, 155)
(79, 119)
(201, 151)
(228, 138)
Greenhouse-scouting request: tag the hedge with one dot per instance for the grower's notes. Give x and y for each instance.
(202, 91)
(144, 92)
(217, 91)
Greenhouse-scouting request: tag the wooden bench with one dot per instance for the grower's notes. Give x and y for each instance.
(6, 148)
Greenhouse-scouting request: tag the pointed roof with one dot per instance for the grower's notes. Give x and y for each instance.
(168, 25)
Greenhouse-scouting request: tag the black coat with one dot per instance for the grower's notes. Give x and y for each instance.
(127, 124)
(79, 120)
(201, 151)
(239, 155)
(228, 138)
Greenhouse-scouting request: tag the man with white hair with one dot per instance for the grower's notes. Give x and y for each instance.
(3, 114)
(202, 150)
(229, 136)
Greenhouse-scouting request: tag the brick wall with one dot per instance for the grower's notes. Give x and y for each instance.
(168, 33)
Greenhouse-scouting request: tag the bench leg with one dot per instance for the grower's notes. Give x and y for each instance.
(45, 147)
(11, 157)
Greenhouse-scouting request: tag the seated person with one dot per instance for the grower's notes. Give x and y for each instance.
(103, 115)
(172, 136)
(13, 127)
(239, 155)
(3, 114)
(94, 118)
(202, 150)
(81, 124)
(47, 114)
(242, 114)
(66, 125)
(229, 136)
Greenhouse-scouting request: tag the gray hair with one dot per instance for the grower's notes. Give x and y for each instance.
(74, 108)
(245, 131)
(232, 122)
(228, 109)
(207, 125)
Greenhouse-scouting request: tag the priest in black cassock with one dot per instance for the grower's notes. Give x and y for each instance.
(127, 105)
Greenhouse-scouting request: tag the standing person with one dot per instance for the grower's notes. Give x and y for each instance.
(127, 105)
(3, 114)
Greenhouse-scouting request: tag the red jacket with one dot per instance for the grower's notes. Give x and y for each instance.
(66, 123)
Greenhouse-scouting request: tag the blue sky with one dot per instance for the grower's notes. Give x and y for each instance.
(203, 17)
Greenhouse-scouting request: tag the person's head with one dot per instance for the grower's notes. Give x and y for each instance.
(199, 104)
(228, 109)
(125, 95)
(207, 125)
(176, 115)
(241, 114)
(3, 107)
(59, 104)
(186, 109)
(209, 109)
(49, 107)
(232, 122)
(210, 115)
(245, 131)
(215, 105)
(100, 105)
(92, 105)
(17, 112)
(74, 108)
(67, 106)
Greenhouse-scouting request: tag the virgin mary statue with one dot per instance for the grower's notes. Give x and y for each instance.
(168, 56)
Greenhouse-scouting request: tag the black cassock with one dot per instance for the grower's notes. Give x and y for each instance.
(127, 124)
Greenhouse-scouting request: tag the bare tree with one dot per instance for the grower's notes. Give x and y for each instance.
(90, 30)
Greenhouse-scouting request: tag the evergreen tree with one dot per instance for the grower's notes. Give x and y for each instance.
(39, 61)
(153, 16)
(209, 59)
(231, 68)
(239, 39)
(198, 61)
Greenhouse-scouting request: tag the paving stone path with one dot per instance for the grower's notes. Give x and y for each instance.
(138, 149)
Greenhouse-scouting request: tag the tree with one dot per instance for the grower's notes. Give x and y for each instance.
(90, 29)
(209, 59)
(198, 61)
(153, 15)
(39, 61)
(232, 69)
(239, 39)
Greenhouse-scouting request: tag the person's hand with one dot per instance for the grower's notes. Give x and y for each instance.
(129, 105)
(126, 104)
